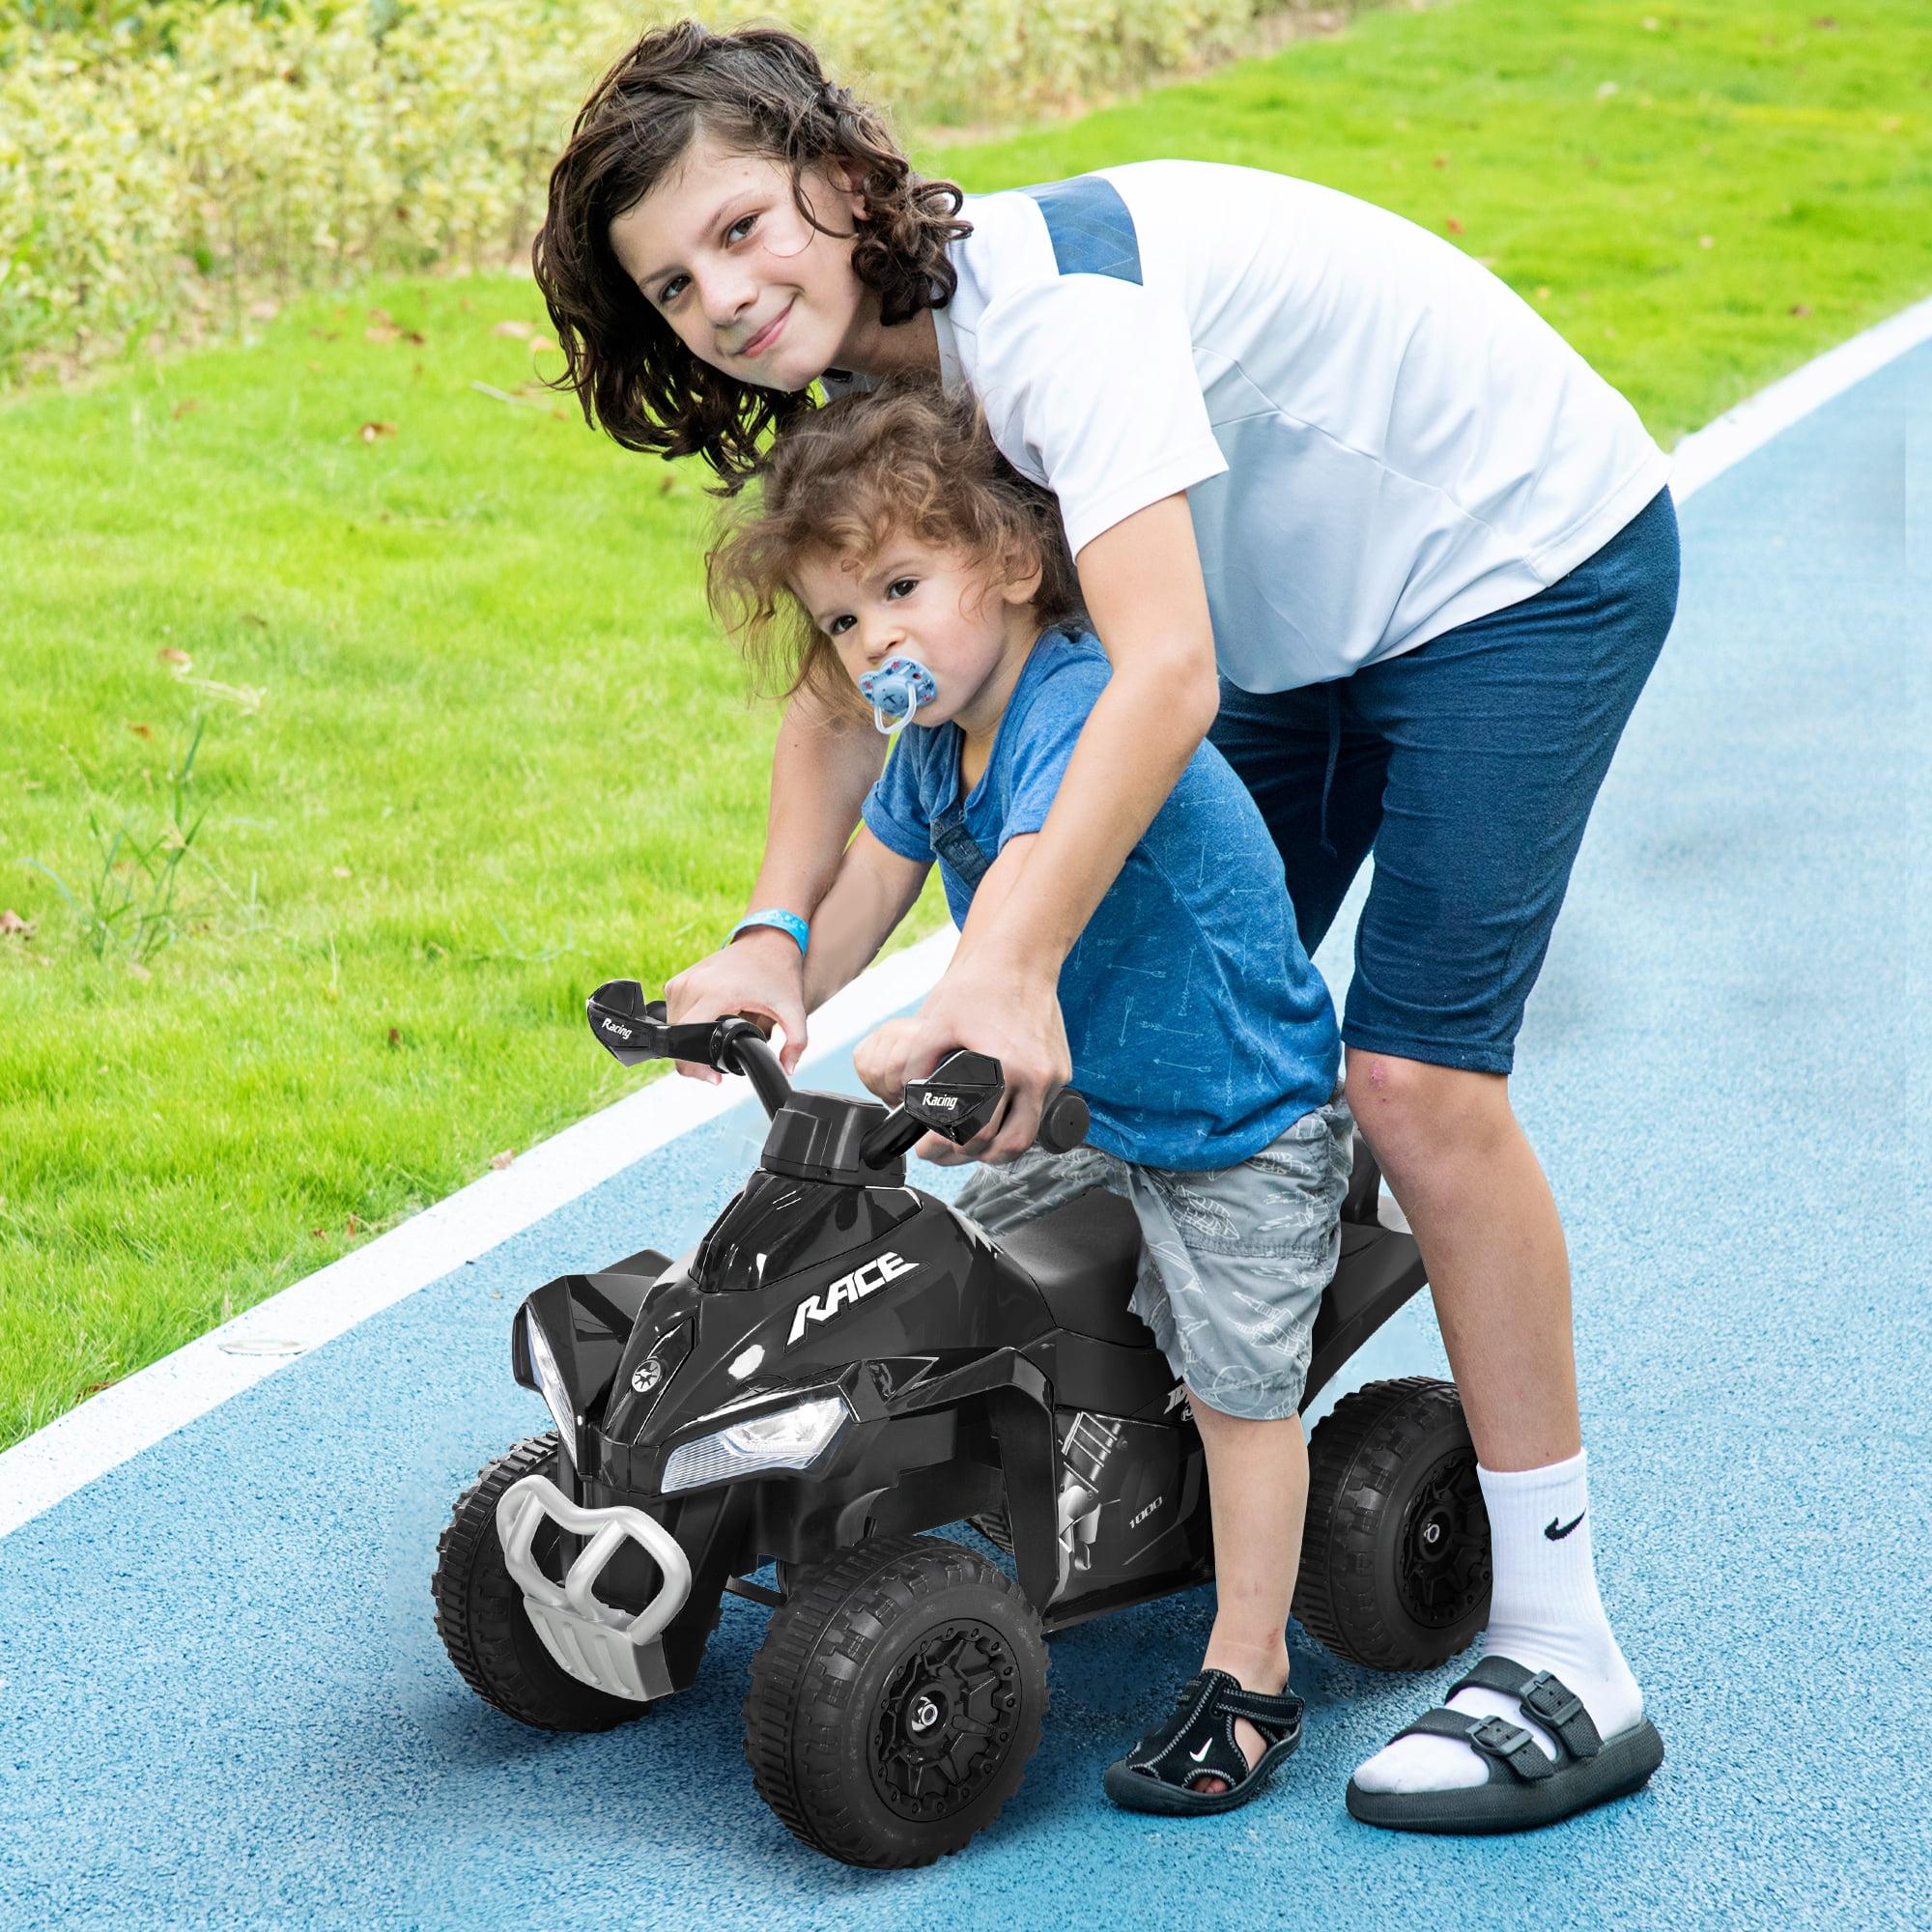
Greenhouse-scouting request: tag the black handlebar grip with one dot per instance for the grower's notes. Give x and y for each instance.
(1062, 1123)
(633, 1029)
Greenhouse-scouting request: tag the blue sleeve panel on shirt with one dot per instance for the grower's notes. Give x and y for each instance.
(1090, 227)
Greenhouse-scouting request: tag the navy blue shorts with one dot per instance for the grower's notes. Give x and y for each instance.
(1468, 767)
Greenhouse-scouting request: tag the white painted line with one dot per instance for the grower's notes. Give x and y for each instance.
(1709, 451)
(133, 1414)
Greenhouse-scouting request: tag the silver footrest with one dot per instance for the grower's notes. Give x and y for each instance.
(611, 1650)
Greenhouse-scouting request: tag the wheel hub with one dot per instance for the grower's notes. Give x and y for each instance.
(945, 1721)
(1444, 1568)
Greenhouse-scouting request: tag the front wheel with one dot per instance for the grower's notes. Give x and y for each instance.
(1395, 1562)
(481, 1614)
(895, 1700)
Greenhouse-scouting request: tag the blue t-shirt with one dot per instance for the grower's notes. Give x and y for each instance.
(1199, 1032)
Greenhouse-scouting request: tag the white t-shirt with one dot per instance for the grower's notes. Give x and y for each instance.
(1378, 440)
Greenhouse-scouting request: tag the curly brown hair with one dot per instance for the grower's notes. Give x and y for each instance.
(905, 460)
(756, 92)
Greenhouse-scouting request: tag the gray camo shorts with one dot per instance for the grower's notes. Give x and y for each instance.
(1235, 1260)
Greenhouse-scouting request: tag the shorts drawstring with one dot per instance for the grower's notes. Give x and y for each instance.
(1334, 690)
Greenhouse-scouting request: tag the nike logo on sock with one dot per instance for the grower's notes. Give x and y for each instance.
(1557, 1535)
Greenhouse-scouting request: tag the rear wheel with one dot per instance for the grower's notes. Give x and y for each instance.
(481, 1614)
(1395, 1562)
(895, 1700)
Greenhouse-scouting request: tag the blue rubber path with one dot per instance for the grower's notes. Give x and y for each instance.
(224, 1704)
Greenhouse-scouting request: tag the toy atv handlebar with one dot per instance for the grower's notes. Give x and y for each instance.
(956, 1099)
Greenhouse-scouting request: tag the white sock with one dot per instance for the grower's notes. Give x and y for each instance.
(1545, 1615)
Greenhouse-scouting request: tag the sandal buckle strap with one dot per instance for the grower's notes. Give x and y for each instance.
(1549, 1700)
(1544, 1696)
(1511, 1746)
(1558, 1709)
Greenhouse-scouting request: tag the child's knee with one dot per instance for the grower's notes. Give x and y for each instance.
(1258, 1410)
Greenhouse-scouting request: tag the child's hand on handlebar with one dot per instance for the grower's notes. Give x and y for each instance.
(880, 1061)
(761, 975)
(987, 1011)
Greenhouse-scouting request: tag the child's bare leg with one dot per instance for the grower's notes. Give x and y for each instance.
(1258, 1490)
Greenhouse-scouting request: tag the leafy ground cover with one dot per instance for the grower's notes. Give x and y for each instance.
(464, 739)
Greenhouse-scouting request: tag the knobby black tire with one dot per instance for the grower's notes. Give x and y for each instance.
(481, 1619)
(1365, 1461)
(827, 1655)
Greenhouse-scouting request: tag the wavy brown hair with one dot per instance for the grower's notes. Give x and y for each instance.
(756, 92)
(905, 460)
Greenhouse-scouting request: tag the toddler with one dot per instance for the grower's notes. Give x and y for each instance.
(893, 560)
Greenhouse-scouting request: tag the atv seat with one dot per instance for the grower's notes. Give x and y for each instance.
(1083, 1257)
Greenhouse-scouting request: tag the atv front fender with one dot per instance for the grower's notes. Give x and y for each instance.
(1019, 1408)
(586, 1319)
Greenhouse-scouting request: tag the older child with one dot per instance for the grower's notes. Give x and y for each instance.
(1433, 556)
(894, 556)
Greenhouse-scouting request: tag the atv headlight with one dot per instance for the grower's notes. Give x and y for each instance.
(782, 1438)
(549, 1381)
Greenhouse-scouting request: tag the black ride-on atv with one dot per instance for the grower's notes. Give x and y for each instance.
(844, 1364)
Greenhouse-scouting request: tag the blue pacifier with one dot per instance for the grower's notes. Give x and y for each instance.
(896, 691)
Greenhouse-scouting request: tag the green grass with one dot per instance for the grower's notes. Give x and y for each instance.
(1585, 151)
(468, 740)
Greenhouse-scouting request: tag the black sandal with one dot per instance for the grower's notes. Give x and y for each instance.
(1198, 1741)
(1525, 1787)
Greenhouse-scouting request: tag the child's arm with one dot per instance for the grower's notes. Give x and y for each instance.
(874, 890)
(1001, 877)
(879, 1058)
